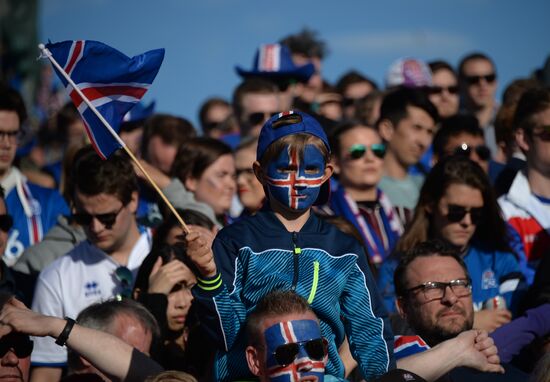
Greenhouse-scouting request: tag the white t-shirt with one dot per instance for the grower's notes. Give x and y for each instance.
(82, 277)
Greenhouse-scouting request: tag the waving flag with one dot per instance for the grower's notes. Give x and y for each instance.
(112, 82)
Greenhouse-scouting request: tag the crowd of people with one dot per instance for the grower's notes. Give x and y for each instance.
(345, 231)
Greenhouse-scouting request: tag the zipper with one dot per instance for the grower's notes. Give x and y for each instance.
(314, 283)
(297, 251)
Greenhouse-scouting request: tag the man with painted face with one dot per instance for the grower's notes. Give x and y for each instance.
(286, 247)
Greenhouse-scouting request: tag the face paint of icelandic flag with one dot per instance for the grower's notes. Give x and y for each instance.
(294, 183)
(292, 332)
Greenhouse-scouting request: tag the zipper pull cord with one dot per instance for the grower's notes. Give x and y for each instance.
(297, 251)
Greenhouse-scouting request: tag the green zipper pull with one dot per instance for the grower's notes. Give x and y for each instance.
(314, 283)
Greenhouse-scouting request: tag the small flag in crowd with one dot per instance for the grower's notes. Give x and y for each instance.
(112, 82)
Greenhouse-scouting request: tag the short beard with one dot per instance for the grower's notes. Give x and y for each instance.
(434, 335)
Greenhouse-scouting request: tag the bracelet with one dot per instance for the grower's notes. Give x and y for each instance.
(64, 336)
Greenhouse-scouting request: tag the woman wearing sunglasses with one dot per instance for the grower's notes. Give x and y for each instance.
(457, 204)
(358, 159)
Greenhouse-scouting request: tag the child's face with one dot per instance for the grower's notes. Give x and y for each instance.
(293, 182)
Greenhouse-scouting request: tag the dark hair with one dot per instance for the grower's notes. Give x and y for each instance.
(422, 249)
(189, 216)
(205, 108)
(306, 43)
(350, 78)
(171, 129)
(11, 100)
(92, 175)
(57, 128)
(196, 155)
(250, 85)
(456, 169)
(339, 130)
(532, 102)
(275, 303)
(438, 65)
(471, 57)
(101, 315)
(452, 127)
(395, 103)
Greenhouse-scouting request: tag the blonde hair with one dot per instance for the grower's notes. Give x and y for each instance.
(296, 141)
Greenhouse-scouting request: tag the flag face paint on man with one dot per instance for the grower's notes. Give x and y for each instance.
(295, 351)
(293, 181)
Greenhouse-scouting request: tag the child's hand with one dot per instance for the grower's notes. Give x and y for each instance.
(163, 278)
(201, 254)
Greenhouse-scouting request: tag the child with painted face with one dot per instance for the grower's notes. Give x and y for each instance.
(285, 246)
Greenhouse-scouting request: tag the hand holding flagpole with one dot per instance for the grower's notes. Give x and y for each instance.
(46, 52)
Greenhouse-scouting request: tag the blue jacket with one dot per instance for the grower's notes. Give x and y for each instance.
(257, 255)
(44, 204)
(492, 272)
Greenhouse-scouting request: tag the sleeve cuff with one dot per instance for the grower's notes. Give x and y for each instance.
(210, 284)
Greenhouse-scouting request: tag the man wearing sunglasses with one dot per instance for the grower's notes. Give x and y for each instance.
(35, 209)
(103, 266)
(526, 206)
(478, 84)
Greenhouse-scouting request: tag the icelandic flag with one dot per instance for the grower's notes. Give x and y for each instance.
(405, 346)
(111, 81)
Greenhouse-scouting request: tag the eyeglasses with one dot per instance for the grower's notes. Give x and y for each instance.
(440, 89)
(21, 344)
(542, 132)
(11, 136)
(108, 220)
(6, 222)
(359, 150)
(473, 80)
(435, 290)
(316, 349)
(259, 117)
(126, 279)
(456, 213)
(482, 151)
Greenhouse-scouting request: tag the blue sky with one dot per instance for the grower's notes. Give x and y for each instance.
(204, 40)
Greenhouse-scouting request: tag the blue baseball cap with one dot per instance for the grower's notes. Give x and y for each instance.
(293, 122)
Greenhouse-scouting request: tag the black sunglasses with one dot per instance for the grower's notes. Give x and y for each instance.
(456, 213)
(542, 132)
(126, 279)
(482, 151)
(489, 78)
(6, 222)
(259, 117)
(359, 150)
(440, 89)
(316, 350)
(20, 343)
(108, 220)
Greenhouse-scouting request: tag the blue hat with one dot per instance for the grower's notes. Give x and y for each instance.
(274, 61)
(293, 122)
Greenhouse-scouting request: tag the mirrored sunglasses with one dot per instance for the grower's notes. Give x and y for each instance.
(482, 151)
(85, 219)
(359, 150)
(456, 213)
(316, 350)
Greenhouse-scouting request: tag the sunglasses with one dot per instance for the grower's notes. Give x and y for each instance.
(482, 151)
(21, 344)
(542, 132)
(259, 117)
(108, 220)
(6, 222)
(473, 80)
(440, 89)
(456, 213)
(126, 279)
(316, 349)
(359, 150)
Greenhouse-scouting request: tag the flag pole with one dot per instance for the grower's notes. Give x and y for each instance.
(49, 55)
